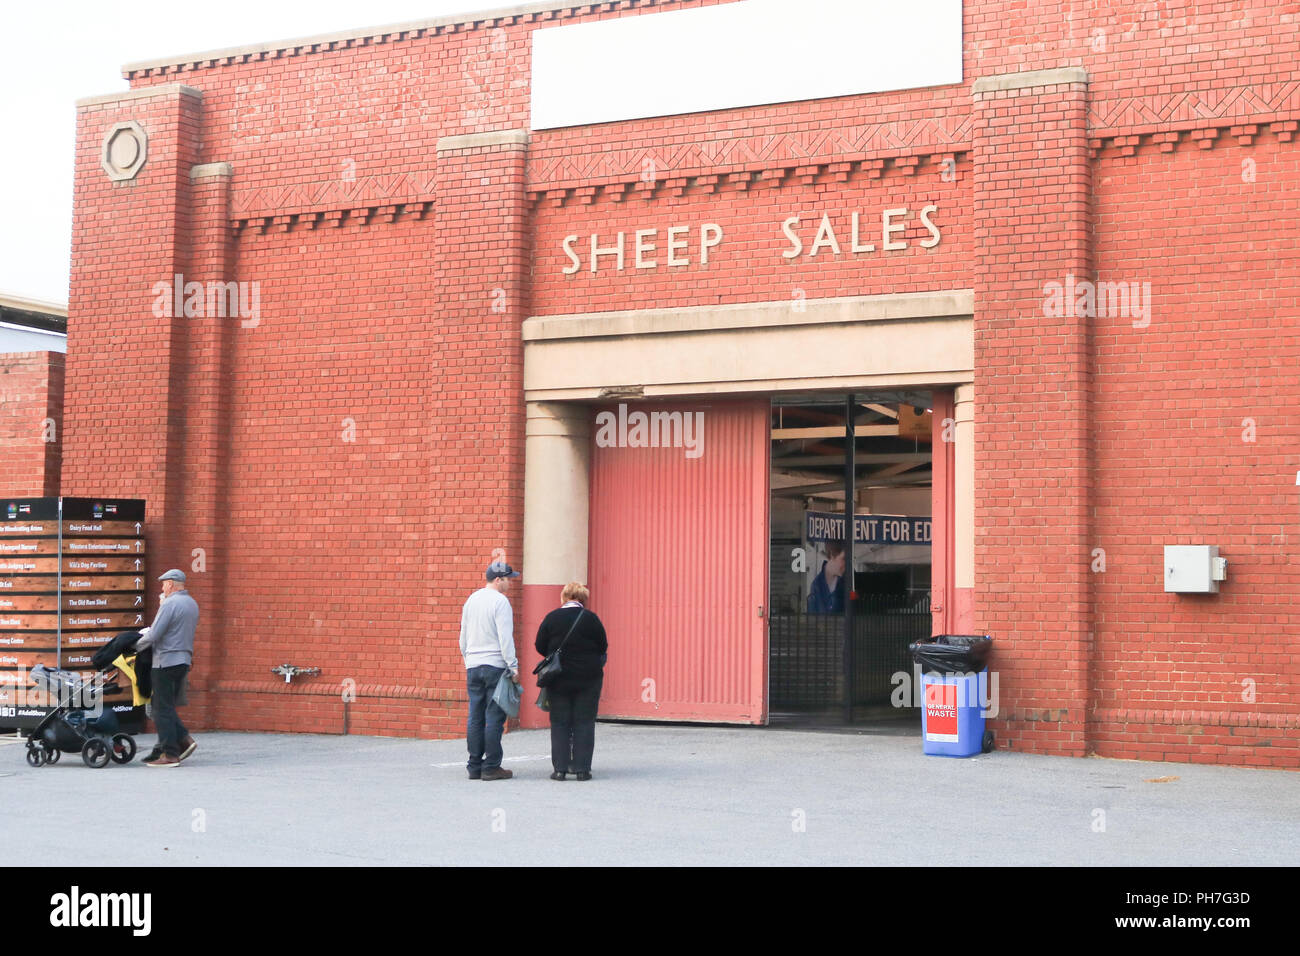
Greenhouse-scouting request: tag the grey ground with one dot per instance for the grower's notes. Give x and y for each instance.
(661, 795)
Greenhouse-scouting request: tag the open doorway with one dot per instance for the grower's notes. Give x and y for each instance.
(843, 611)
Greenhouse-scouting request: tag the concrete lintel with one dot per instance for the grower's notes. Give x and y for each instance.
(497, 137)
(211, 171)
(143, 93)
(360, 33)
(742, 315)
(839, 383)
(1029, 78)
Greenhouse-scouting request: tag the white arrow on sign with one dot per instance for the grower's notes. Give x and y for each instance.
(139, 618)
(137, 582)
(138, 545)
(138, 600)
(137, 527)
(137, 564)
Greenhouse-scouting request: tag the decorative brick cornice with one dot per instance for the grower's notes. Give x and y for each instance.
(334, 194)
(860, 141)
(545, 12)
(764, 161)
(364, 215)
(1194, 116)
(747, 180)
(750, 162)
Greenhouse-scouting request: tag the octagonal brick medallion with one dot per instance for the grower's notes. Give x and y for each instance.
(125, 149)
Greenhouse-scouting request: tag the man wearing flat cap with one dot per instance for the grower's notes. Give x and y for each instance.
(172, 637)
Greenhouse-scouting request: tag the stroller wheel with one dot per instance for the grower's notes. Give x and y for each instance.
(35, 756)
(95, 752)
(123, 748)
(53, 755)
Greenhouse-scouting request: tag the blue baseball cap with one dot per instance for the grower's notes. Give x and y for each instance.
(498, 569)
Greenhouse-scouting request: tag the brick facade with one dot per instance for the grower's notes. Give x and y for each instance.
(348, 461)
(31, 422)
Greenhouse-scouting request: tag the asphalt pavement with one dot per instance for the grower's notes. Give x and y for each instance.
(661, 795)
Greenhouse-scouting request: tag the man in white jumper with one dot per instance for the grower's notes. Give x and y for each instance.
(487, 643)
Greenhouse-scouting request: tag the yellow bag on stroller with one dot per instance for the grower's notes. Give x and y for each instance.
(126, 665)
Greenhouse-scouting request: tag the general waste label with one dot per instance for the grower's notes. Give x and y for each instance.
(941, 713)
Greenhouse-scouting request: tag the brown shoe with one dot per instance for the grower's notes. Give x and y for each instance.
(163, 761)
(497, 773)
(188, 746)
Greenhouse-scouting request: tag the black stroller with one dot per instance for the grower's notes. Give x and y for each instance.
(80, 721)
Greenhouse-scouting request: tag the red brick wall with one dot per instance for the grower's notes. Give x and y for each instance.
(327, 484)
(393, 280)
(363, 119)
(31, 394)
(1195, 443)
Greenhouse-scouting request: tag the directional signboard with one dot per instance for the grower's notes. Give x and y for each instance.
(72, 576)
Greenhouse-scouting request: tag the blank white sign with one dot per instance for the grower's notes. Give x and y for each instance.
(740, 54)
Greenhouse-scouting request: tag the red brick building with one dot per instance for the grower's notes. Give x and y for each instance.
(32, 342)
(1075, 264)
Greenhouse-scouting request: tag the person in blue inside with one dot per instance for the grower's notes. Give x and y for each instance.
(827, 593)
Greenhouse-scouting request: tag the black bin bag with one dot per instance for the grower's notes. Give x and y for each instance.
(952, 653)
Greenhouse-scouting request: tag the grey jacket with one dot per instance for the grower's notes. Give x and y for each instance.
(172, 633)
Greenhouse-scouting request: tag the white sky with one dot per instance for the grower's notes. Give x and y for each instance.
(57, 51)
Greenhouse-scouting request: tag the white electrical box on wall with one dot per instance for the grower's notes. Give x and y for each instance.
(1194, 569)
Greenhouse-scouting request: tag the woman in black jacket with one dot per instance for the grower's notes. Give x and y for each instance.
(575, 695)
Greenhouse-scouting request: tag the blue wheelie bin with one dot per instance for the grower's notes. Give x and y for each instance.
(954, 682)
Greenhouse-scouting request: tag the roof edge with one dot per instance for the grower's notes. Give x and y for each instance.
(363, 33)
(39, 306)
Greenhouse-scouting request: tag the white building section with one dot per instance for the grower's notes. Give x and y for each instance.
(15, 338)
(740, 54)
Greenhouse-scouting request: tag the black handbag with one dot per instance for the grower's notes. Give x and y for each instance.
(550, 668)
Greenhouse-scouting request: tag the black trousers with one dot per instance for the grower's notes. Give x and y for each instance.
(573, 725)
(166, 685)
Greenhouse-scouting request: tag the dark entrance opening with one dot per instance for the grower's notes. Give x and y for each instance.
(842, 612)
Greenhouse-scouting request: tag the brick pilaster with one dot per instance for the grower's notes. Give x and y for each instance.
(477, 403)
(124, 390)
(202, 523)
(1032, 184)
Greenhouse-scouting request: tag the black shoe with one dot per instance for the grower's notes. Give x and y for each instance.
(475, 775)
(584, 775)
(559, 775)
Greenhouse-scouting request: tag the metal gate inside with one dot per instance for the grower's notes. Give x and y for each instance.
(843, 612)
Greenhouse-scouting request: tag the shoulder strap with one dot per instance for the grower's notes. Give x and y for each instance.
(571, 627)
